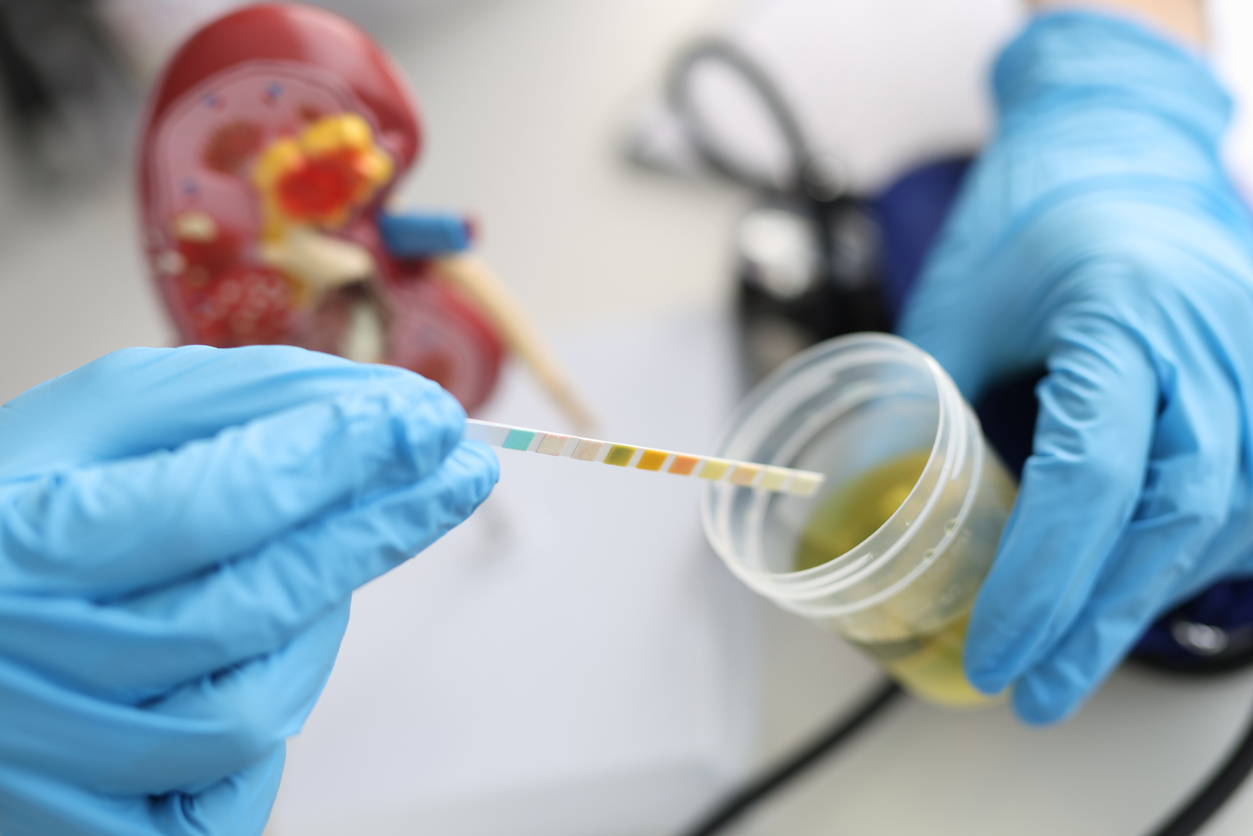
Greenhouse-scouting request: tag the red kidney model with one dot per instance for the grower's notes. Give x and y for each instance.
(271, 141)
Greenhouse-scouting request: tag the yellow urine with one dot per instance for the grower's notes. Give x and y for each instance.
(928, 665)
(855, 511)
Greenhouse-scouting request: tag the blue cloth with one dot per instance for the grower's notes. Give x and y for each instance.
(1098, 236)
(180, 533)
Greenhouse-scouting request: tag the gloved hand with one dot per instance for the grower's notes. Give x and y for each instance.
(180, 532)
(1099, 236)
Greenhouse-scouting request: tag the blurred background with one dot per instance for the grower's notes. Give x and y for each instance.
(594, 669)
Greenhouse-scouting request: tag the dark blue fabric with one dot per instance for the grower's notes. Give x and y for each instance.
(910, 213)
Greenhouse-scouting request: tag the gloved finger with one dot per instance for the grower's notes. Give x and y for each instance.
(1228, 556)
(104, 529)
(138, 400)
(38, 805)
(239, 803)
(1189, 491)
(1192, 476)
(138, 646)
(1079, 489)
(186, 740)
(1146, 565)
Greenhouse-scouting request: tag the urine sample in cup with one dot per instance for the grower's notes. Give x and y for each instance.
(892, 551)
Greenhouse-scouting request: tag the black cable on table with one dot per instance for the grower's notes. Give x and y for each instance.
(1195, 812)
(759, 788)
(1208, 799)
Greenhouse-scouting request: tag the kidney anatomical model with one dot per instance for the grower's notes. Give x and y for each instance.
(272, 140)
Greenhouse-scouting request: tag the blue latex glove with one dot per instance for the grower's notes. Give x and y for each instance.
(1099, 236)
(180, 532)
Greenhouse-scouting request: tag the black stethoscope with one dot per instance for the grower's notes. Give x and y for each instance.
(807, 272)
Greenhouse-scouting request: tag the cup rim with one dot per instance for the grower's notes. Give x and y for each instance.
(840, 572)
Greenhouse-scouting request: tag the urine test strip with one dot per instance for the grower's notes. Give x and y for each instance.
(764, 477)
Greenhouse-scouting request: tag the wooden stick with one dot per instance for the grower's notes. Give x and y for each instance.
(472, 276)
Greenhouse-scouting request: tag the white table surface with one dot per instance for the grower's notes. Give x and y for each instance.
(525, 101)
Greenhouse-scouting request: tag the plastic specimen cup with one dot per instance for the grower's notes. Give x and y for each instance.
(890, 553)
